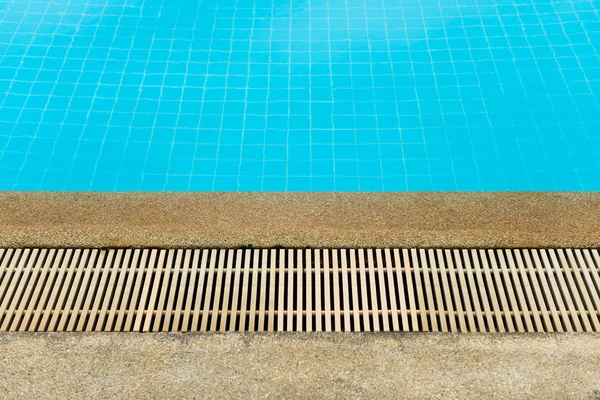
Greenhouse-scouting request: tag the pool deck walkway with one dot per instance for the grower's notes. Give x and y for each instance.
(300, 365)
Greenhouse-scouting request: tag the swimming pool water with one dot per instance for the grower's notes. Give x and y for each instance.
(344, 95)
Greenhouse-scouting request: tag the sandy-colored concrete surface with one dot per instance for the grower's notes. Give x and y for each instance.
(300, 219)
(323, 366)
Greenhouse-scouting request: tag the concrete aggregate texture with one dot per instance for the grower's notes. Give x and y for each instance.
(300, 365)
(300, 219)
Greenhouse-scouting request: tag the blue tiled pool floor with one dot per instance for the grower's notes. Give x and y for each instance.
(343, 95)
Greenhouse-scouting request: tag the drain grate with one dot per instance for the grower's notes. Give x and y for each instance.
(300, 290)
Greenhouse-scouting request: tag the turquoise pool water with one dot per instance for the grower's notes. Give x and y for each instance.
(343, 95)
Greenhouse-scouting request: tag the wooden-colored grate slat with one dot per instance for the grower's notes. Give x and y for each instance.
(351, 290)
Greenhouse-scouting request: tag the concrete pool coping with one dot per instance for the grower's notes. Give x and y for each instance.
(506, 219)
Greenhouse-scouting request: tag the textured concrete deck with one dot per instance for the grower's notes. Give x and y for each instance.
(300, 219)
(415, 366)
(466, 366)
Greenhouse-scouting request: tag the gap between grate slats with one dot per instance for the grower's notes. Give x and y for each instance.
(352, 290)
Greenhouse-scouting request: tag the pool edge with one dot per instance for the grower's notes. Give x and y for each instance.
(430, 219)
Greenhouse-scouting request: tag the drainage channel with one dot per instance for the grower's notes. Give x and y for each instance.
(351, 290)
